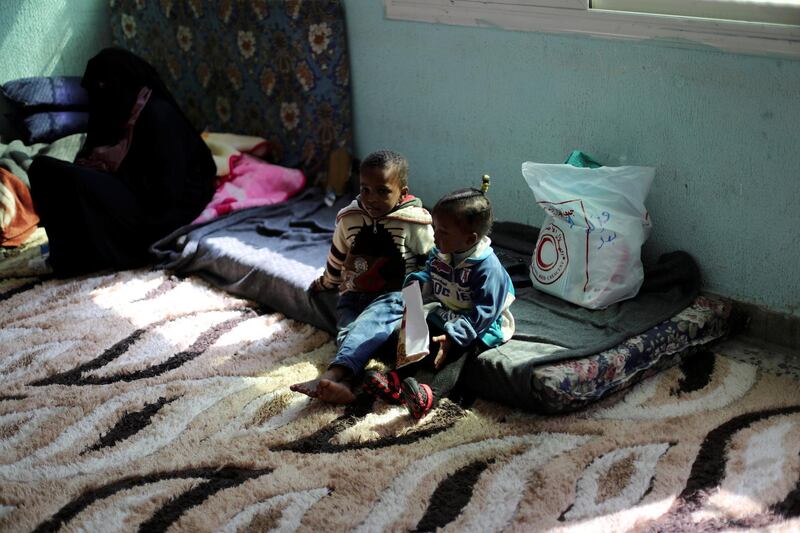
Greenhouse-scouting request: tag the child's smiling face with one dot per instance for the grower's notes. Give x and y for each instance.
(380, 191)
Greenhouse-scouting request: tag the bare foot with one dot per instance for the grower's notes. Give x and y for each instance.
(332, 386)
(309, 388)
(335, 391)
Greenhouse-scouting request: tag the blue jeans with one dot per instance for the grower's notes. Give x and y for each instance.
(364, 322)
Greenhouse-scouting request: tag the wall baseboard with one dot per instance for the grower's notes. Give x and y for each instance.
(756, 322)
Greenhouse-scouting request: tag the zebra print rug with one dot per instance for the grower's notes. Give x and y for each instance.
(137, 401)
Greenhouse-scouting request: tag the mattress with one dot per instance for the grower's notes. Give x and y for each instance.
(562, 356)
(506, 374)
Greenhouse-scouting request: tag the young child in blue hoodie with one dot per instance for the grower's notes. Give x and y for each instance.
(471, 293)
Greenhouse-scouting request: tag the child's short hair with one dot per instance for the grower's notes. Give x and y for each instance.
(470, 206)
(391, 161)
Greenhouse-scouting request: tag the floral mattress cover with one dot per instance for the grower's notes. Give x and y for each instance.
(571, 384)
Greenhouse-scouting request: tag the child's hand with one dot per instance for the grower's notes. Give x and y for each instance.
(444, 347)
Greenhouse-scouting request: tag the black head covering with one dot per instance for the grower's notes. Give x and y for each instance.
(113, 79)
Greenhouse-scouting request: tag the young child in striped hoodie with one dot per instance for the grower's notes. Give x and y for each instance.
(380, 238)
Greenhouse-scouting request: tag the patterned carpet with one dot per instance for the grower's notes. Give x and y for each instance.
(137, 401)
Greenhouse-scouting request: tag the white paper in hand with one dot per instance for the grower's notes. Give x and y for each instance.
(413, 342)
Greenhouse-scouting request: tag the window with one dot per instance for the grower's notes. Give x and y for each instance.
(771, 11)
(744, 26)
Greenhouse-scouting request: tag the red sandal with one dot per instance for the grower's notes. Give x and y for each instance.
(418, 397)
(383, 386)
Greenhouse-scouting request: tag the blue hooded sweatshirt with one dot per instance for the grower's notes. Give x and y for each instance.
(474, 295)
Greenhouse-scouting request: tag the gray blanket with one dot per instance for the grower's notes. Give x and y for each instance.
(16, 157)
(267, 254)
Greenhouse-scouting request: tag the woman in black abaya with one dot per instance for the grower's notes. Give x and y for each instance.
(142, 172)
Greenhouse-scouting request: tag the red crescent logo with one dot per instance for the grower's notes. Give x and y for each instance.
(546, 239)
(551, 257)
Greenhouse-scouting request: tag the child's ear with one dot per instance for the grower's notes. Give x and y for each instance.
(403, 192)
(473, 238)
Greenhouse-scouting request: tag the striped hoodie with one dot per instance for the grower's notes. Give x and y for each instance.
(375, 255)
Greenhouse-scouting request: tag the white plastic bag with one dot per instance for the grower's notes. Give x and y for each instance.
(589, 247)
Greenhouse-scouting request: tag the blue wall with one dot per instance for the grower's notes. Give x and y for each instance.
(49, 37)
(721, 130)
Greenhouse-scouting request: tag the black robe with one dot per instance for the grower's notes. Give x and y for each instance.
(97, 220)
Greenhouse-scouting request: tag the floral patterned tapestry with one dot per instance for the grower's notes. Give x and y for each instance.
(275, 69)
